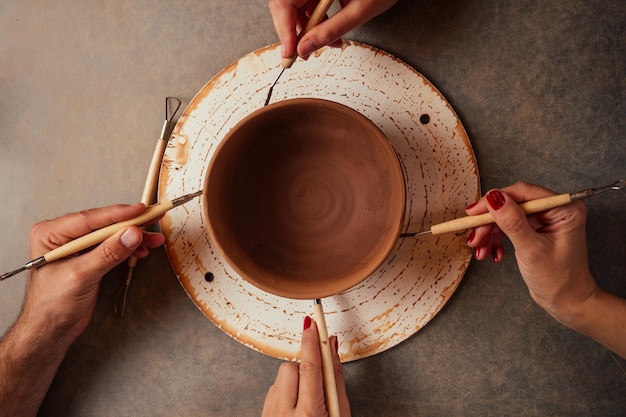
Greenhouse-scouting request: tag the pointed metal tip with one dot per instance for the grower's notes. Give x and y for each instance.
(185, 198)
(269, 92)
(415, 234)
(11, 273)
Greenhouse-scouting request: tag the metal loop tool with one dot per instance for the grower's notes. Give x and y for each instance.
(172, 104)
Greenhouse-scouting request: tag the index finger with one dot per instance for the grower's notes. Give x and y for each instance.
(50, 234)
(311, 389)
(520, 191)
(285, 18)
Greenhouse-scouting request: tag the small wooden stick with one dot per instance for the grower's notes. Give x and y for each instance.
(148, 196)
(91, 239)
(529, 207)
(149, 193)
(328, 370)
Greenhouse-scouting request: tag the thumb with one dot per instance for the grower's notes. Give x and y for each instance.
(112, 251)
(510, 219)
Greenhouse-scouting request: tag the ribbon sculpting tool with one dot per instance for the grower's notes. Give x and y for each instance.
(328, 370)
(529, 207)
(149, 194)
(87, 241)
(316, 17)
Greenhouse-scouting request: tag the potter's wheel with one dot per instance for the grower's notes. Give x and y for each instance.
(418, 277)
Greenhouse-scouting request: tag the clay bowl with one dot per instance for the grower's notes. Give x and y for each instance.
(304, 198)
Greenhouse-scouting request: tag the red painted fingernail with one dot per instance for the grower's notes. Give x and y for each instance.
(494, 255)
(336, 345)
(476, 253)
(307, 322)
(471, 206)
(495, 199)
(471, 237)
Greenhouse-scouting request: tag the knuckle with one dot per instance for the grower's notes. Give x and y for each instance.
(309, 368)
(522, 185)
(275, 5)
(287, 367)
(44, 233)
(38, 230)
(112, 254)
(86, 217)
(512, 223)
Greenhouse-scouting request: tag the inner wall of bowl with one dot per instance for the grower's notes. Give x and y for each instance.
(303, 200)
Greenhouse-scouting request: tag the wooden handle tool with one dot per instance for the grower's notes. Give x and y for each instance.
(328, 370)
(316, 17)
(97, 236)
(528, 207)
(149, 194)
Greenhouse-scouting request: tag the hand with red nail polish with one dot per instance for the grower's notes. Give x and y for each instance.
(298, 389)
(290, 16)
(551, 253)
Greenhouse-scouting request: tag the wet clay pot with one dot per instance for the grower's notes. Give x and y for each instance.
(304, 198)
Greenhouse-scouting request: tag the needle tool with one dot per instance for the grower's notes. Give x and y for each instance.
(328, 370)
(172, 104)
(97, 236)
(529, 207)
(316, 17)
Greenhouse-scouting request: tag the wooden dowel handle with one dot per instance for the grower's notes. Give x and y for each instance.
(328, 370)
(529, 207)
(149, 189)
(97, 236)
(316, 17)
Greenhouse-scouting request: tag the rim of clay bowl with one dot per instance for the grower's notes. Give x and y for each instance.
(222, 225)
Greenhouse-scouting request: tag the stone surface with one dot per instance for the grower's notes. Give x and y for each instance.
(539, 87)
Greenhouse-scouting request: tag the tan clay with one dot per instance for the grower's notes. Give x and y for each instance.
(304, 198)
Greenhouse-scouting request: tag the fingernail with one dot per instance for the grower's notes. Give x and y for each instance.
(130, 239)
(494, 255)
(471, 206)
(336, 345)
(307, 322)
(495, 199)
(476, 253)
(471, 237)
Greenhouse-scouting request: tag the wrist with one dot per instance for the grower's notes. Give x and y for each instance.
(43, 331)
(578, 315)
(30, 355)
(572, 305)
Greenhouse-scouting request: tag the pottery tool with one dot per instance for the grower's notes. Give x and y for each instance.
(149, 193)
(529, 207)
(328, 370)
(316, 17)
(97, 236)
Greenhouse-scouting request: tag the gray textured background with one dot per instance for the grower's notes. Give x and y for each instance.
(539, 87)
